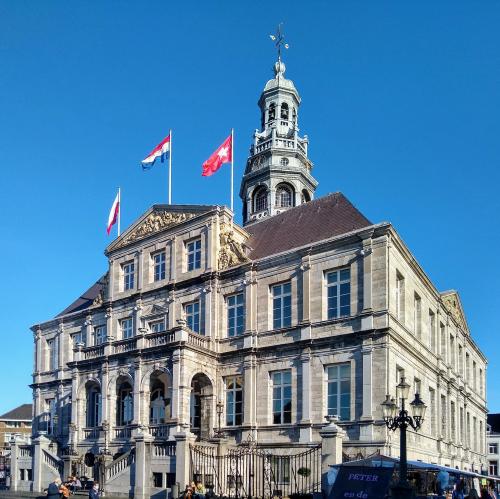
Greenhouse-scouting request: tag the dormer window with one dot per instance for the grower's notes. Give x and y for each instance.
(284, 111)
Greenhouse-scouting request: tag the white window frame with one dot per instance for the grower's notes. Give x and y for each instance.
(127, 332)
(234, 330)
(339, 275)
(193, 254)
(232, 414)
(282, 386)
(159, 266)
(157, 326)
(331, 368)
(281, 295)
(192, 313)
(128, 270)
(100, 335)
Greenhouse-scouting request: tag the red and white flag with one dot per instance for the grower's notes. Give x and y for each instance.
(114, 213)
(160, 151)
(223, 154)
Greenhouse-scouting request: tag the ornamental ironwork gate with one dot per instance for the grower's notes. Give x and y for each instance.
(254, 472)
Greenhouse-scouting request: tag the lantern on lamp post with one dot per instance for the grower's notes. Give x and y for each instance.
(396, 416)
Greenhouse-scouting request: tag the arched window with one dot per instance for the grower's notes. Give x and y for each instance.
(284, 111)
(260, 200)
(272, 112)
(93, 412)
(305, 197)
(284, 196)
(125, 403)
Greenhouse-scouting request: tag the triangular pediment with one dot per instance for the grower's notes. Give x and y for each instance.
(451, 300)
(156, 310)
(157, 219)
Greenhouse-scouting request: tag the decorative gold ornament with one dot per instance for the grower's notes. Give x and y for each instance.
(155, 222)
(231, 252)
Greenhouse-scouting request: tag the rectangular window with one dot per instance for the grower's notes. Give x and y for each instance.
(481, 382)
(493, 448)
(282, 397)
(443, 416)
(432, 408)
(192, 311)
(452, 421)
(126, 325)
(452, 352)
(280, 469)
(468, 376)
(339, 391)
(194, 255)
(442, 334)
(493, 468)
(128, 275)
(400, 288)
(53, 354)
(460, 360)
(234, 401)
(235, 314)
(159, 266)
(417, 316)
(157, 326)
(462, 426)
(99, 335)
(338, 285)
(432, 330)
(474, 375)
(282, 305)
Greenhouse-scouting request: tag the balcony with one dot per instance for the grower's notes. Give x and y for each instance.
(91, 433)
(122, 432)
(161, 431)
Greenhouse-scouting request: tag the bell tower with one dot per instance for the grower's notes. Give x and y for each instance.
(278, 171)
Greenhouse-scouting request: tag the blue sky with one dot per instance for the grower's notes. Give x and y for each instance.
(400, 101)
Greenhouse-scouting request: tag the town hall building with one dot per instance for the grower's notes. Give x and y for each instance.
(202, 328)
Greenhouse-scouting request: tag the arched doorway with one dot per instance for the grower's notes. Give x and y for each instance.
(201, 406)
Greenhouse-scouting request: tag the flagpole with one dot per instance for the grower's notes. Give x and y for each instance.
(170, 170)
(232, 168)
(119, 209)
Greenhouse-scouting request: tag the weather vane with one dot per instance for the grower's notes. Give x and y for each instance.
(279, 40)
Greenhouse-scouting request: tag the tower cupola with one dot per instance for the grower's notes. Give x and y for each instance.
(278, 171)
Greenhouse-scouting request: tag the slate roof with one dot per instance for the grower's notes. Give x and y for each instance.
(322, 218)
(87, 298)
(21, 413)
(325, 217)
(494, 421)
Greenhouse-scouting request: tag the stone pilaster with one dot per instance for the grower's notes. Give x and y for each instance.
(142, 466)
(366, 431)
(331, 447)
(137, 391)
(305, 267)
(305, 428)
(249, 391)
(366, 254)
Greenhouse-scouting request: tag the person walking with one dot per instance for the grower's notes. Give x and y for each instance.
(94, 491)
(53, 489)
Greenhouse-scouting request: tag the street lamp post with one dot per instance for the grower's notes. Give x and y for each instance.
(397, 416)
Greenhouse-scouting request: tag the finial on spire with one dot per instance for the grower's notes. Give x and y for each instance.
(279, 40)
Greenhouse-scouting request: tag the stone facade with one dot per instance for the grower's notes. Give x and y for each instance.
(141, 364)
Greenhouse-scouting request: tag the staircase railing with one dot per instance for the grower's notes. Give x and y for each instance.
(120, 464)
